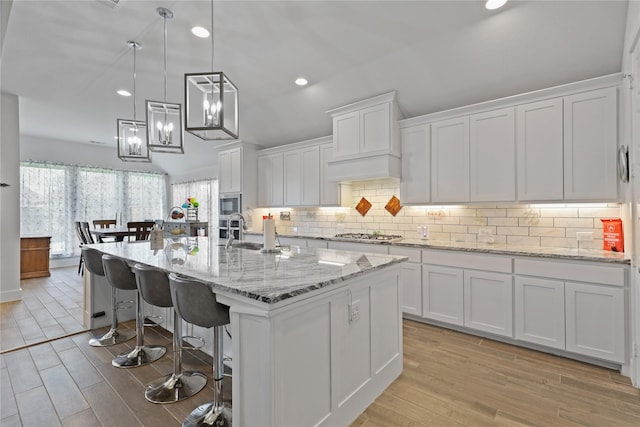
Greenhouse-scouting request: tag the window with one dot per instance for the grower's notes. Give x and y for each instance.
(205, 192)
(53, 197)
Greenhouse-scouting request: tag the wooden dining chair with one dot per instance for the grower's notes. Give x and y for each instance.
(104, 223)
(142, 229)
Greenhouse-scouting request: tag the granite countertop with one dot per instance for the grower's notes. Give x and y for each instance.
(266, 277)
(500, 249)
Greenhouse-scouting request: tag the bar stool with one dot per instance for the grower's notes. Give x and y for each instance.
(196, 303)
(153, 285)
(120, 276)
(93, 263)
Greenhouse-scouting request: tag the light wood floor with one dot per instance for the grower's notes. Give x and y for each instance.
(449, 379)
(51, 307)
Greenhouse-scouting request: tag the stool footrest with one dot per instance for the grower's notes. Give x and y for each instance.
(153, 321)
(191, 345)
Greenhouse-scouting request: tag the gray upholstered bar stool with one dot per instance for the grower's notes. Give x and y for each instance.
(120, 276)
(93, 263)
(153, 285)
(196, 303)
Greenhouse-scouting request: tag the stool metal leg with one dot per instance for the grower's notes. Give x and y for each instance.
(114, 336)
(214, 413)
(178, 385)
(141, 354)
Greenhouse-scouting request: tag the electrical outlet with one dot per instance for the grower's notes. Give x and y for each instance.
(354, 311)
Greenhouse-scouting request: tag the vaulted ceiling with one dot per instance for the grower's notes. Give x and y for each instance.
(66, 59)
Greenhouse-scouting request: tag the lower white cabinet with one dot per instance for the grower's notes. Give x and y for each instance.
(539, 311)
(595, 321)
(411, 279)
(488, 302)
(442, 294)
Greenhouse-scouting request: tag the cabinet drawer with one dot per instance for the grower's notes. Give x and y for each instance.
(497, 263)
(34, 243)
(580, 272)
(413, 254)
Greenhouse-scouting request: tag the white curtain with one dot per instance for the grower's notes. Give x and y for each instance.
(206, 194)
(53, 197)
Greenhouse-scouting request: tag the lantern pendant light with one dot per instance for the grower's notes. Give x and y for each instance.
(164, 119)
(211, 103)
(132, 134)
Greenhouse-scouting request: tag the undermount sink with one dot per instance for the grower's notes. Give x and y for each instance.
(246, 245)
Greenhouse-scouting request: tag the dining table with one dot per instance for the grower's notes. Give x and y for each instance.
(119, 233)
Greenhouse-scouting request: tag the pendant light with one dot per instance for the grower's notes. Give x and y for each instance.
(132, 134)
(211, 103)
(164, 119)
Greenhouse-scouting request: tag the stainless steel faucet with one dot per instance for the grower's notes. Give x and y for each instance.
(230, 236)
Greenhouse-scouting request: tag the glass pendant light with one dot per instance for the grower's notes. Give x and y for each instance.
(132, 134)
(211, 103)
(164, 119)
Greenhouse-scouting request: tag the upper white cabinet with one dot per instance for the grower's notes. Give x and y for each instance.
(366, 127)
(366, 140)
(415, 183)
(237, 171)
(331, 193)
(302, 176)
(590, 145)
(230, 164)
(492, 151)
(540, 153)
(450, 160)
(270, 180)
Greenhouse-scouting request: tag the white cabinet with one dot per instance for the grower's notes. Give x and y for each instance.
(450, 160)
(230, 166)
(539, 311)
(442, 294)
(302, 177)
(590, 145)
(492, 162)
(331, 193)
(595, 321)
(270, 180)
(488, 302)
(415, 183)
(540, 150)
(411, 278)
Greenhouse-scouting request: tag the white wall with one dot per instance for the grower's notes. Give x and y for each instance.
(73, 153)
(9, 199)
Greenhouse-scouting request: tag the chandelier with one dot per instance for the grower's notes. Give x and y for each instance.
(211, 103)
(164, 119)
(132, 134)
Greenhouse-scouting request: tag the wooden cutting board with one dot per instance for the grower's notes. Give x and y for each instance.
(363, 206)
(393, 206)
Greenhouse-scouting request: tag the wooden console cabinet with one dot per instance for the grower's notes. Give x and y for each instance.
(34, 256)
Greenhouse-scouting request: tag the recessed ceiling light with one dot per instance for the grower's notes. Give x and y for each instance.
(201, 32)
(494, 4)
(123, 92)
(301, 81)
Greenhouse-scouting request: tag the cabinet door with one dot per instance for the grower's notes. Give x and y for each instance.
(590, 145)
(292, 178)
(329, 191)
(230, 167)
(346, 134)
(540, 153)
(310, 186)
(450, 160)
(270, 180)
(224, 171)
(411, 279)
(442, 291)
(375, 128)
(415, 183)
(539, 311)
(488, 302)
(492, 151)
(595, 321)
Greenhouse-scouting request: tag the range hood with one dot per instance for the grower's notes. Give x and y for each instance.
(366, 140)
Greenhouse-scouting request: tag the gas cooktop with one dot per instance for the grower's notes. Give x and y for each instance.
(365, 236)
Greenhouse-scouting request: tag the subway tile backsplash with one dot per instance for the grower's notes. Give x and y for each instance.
(548, 225)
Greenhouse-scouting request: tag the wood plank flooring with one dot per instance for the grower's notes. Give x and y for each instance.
(51, 307)
(449, 379)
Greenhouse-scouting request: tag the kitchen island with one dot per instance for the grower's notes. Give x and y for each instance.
(317, 333)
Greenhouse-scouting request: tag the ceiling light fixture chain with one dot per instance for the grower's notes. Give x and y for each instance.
(212, 38)
(135, 46)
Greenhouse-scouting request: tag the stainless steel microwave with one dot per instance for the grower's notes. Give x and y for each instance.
(230, 204)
